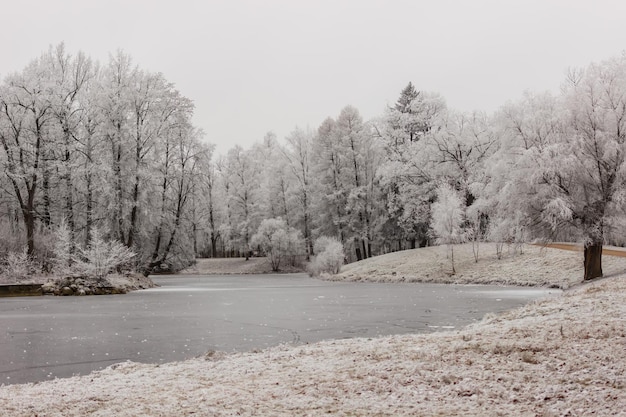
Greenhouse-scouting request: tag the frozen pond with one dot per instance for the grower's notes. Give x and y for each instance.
(48, 337)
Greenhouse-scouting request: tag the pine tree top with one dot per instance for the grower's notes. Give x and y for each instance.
(408, 94)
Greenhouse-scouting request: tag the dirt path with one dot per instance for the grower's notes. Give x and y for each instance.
(609, 251)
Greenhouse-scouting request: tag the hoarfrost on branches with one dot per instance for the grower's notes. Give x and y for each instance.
(278, 241)
(447, 219)
(329, 256)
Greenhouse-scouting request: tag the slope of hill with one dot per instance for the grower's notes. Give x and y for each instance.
(534, 266)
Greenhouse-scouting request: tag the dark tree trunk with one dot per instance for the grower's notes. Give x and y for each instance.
(89, 214)
(29, 222)
(133, 214)
(307, 229)
(182, 198)
(46, 217)
(357, 250)
(117, 172)
(593, 261)
(213, 246)
(69, 187)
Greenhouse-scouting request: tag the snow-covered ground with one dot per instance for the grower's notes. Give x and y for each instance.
(535, 266)
(560, 356)
(236, 266)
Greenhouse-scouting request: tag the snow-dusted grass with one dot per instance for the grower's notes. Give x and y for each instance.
(559, 356)
(535, 266)
(236, 266)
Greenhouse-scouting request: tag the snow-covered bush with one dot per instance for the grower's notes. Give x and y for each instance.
(18, 265)
(12, 239)
(296, 247)
(277, 241)
(62, 249)
(101, 257)
(329, 256)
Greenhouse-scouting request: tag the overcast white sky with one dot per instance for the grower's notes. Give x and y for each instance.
(255, 66)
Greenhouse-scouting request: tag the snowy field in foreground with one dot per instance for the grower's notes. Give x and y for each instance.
(560, 356)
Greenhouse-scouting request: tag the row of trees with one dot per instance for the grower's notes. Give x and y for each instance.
(98, 148)
(112, 148)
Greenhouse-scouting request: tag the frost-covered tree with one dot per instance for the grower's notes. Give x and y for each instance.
(585, 172)
(411, 117)
(361, 157)
(508, 195)
(447, 219)
(409, 174)
(84, 144)
(561, 161)
(26, 114)
(277, 241)
(115, 105)
(208, 213)
(460, 147)
(72, 76)
(276, 179)
(329, 256)
(329, 188)
(241, 181)
(298, 156)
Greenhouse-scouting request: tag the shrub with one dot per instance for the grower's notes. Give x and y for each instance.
(62, 249)
(102, 257)
(329, 257)
(18, 265)
(277, 241)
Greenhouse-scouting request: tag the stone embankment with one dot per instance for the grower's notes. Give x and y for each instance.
(80, 286)
(112, 284)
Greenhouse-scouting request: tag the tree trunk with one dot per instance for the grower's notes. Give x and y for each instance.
(593, 261)
(214, 245)
(452, 259)
(357, 250)
(89, 213)
(46, 217)
(117, 173)
(29, 222)
(69, 187)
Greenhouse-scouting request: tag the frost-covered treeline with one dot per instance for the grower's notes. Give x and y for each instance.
(543, 167)
(110, 147)
(98, 147)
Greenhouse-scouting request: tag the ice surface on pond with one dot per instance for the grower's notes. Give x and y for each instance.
(186, 317)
